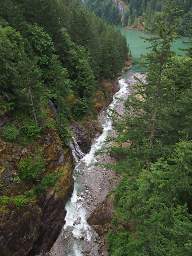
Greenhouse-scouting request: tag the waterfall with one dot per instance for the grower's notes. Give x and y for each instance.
(77, 237)
(76, 151)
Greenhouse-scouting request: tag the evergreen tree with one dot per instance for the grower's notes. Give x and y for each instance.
(20, 77)
(153, 150)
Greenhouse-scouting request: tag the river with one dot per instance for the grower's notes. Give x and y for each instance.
(139, 46)
(92, 184)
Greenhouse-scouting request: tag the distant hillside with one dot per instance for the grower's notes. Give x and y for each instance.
(137, 12)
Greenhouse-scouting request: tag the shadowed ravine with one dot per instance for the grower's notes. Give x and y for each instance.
(92, 184)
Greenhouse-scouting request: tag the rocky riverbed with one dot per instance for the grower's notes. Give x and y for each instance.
(90, 201)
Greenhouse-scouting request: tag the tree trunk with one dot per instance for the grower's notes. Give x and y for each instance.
(33, 106)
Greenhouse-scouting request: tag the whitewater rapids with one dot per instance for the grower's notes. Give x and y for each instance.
(91, 184)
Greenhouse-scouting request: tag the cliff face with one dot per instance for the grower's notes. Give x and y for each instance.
(121, 6)
(86, 130)
(114, 11)
(34, 226)
(31, 224)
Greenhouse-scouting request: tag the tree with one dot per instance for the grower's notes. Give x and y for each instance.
(77, 61)
(154, 209)
(149, 108)
(153, 152)
(20, 78)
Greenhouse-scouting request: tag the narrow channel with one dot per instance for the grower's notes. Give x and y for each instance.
(92, 183)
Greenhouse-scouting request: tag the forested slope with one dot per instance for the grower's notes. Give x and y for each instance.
(153, 150)
(53, 55)
(64, 35)
(142, 12)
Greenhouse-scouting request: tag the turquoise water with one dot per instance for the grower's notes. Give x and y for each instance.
(139, 47)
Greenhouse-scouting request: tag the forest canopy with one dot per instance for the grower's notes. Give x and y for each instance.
(139, 12)
(153, 152)
(54, 51)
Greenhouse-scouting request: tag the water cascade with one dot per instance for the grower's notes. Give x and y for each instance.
(76, 151)
(77, 237)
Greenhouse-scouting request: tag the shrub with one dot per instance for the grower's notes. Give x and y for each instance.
(31, 129)
(63, 127)
(80, 109)
(10, 132)
(31, 168)
(5, 106)
(19, 201)
(4, 200)
(48, 181)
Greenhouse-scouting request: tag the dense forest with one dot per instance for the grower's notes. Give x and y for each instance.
(54, 54)
(108, 10)
(59, 47)
(153, 149)
(142, 12)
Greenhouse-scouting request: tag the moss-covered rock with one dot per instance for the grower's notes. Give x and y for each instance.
(28, 227)
(19, 228)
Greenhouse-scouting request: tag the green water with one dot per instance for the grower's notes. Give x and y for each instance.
(139, 47)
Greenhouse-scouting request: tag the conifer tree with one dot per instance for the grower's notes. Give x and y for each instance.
(153, 151)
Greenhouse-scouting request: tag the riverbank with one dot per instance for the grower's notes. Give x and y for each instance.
(137, 27)
(45, 214)
(93, 184)
(101, 214)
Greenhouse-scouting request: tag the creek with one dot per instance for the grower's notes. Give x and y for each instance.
(92, 183)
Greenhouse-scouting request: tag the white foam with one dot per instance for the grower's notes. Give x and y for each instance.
(76, 216)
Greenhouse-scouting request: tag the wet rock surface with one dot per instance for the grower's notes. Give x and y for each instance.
(90, 210)
(85, 132)
(101, 220)
(18, 230)
(29, 229)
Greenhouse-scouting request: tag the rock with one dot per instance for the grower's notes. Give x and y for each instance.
(100, 220)
(77, 222)
(31, 229)
(103, 214)
(61, 159)
(85, 133)
(19, 228)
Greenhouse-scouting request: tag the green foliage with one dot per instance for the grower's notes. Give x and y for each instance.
(107, 10)
(31, 168)
(50, 52)
(118, 243)
(41, 44)
(157, 207)
(4, 200)
(134, 12)
(18, 201)
(49, 181)
(10, 132)
(88, 31)
(81, 107)
(154, 154)
(30, 129)
(5, 106)
(13, 59)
